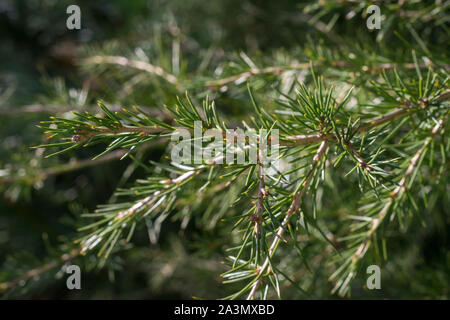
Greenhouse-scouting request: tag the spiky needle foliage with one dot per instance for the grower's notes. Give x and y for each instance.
(346, 118)
(318, 131)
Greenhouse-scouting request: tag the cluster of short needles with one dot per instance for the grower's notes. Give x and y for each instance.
(276, 208)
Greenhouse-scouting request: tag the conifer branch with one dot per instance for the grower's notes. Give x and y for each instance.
(277, 70)
(353, 126)
(42, 269)
(398, 191)
(136, 64)
(393, 196)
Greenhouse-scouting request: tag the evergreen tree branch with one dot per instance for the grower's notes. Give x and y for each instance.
(314, 114)
(398, 191)
(294, 207)
(360, 251)
(136, 64)
(277, 70)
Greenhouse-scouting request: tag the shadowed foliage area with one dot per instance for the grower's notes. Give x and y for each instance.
(87, 169)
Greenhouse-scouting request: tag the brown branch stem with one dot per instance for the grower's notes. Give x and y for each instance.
(398, 191)
(140, 65)
(292, 209)
(37, 271)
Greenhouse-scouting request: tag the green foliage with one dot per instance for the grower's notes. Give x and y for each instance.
(362, 150)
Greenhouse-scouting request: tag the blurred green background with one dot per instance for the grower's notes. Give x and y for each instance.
(41, 199)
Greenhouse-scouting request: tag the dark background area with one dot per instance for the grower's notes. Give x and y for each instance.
(40, 65)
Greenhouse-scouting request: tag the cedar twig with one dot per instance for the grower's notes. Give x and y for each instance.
(140, 65)
(241, 77)
(257, 217)
(277, 70)
(296, 139)
(365, 127)
(37, 271)
(398, 191)
(167, 183)
(295, 206)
